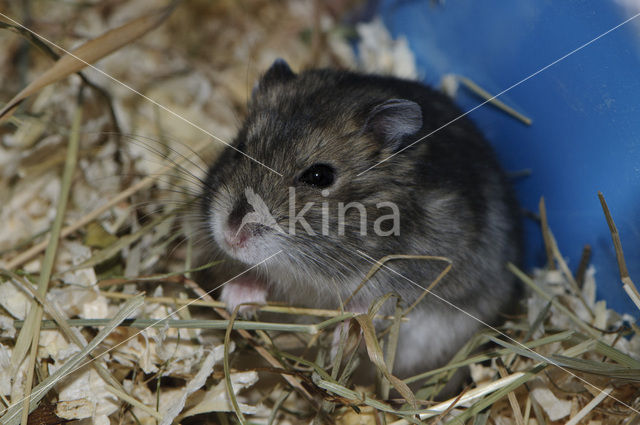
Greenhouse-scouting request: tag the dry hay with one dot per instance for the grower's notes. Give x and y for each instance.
(108, 171)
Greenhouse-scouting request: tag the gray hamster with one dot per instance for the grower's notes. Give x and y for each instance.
(324, 176)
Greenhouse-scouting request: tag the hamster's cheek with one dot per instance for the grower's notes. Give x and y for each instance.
(216, 218)
(216, 227)
(257, 250)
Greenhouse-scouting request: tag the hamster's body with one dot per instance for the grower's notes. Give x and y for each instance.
(336, 138)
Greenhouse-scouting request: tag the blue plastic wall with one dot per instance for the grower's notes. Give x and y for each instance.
(585, 135)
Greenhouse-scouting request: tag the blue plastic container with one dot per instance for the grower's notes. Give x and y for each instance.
(585, 135)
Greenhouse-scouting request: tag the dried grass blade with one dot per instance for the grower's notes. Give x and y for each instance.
(570, 352)
(63, 324)
(483, 94)
(277, 405)
(90, 52)
(122, 395)
(524, 278)
(30, 335)
(481, 418)
(579, 349)
(162, 276)
(451, 406)
(499, 388)
(616, 355)
(631, 290)
(513, 401)
(335, 315)
(375, 354)
(11, 417)
(590, 406)
(635, 420)
(551, 248)
(527, 409)
(429, 288)
(121, 243)
(379, 263)
(539, 320)
(537, 411)
(628, 285)
(597, 368)
(392, 346)
(227, 369)
(342, 344)
(520, 350)
(561, 336)
(312, 365)
(354, 396)
(522, 378)
(183, 324)
(564, 268)
(329, 322)
(546, 236)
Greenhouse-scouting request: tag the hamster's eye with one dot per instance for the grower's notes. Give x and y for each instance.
(318, 175)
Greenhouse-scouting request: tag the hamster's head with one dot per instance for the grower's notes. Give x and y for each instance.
(298, 184)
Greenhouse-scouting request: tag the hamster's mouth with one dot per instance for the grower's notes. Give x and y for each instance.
(250, 244)
(243, 234)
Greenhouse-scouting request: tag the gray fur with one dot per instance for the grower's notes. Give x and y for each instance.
(454, 201)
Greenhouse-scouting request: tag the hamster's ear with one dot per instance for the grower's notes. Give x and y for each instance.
(393, 120)
(278, 72)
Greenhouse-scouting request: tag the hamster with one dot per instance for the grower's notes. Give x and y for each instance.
(326, 175)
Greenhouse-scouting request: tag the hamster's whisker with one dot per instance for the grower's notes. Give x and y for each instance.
(183, 239)
(159, 204)
(173, 140)
(191, 189)
(136, 140)
(349, 266)
(181, 207)
(310, 257)
(169, 194)
(167, 156)
(205, 241)
(177, 166)
(320, 260)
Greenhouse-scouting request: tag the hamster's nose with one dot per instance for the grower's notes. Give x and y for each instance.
(239, 210)
(234, 235)
(237, 239)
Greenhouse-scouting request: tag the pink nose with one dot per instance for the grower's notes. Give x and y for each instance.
(237, 239)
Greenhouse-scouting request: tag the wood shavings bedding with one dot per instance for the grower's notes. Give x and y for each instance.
(201, 64)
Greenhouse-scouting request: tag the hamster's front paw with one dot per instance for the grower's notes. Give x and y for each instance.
(244, 290)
